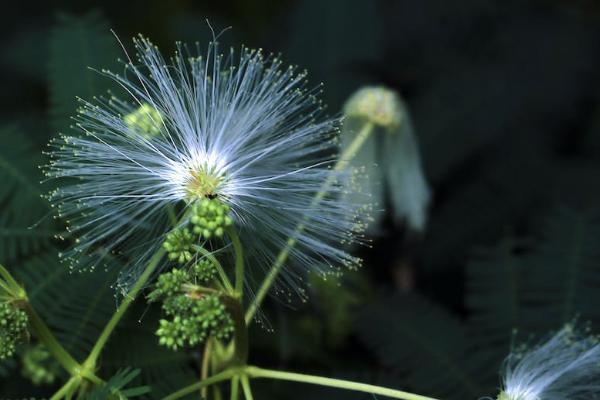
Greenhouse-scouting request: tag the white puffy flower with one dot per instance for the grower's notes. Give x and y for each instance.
(243, 129)
(567, 366)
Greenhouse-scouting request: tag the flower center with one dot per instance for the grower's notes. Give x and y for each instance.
(203, 184)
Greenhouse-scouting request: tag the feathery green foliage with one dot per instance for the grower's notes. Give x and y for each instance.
(76, 305)
(116, 387)
(78, 45)
(423, 343)
(26, 225)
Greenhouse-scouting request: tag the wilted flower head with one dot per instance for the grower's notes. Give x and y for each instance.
(376, 104)
(390, 158)
(242, 129)
(567, 366)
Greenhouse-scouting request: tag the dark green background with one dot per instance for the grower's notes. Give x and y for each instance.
(506, 104)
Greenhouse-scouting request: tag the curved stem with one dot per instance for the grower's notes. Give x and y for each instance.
(210, 256)
(255, 372)
(112, 323)
(205, 365)
(222, 376)
(240, 333)
(246, 387)
(65, 389)
(239, 260)
(343, 162)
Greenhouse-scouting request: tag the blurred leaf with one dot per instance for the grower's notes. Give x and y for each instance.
(135, 343)
(25, 222)
(117, 384)
(75, 305)
(76, 45)
(423, 343)
(26, 51)
(349, 36)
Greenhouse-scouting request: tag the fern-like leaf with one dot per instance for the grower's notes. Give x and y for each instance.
(116, 388)
(426, 346)
(135, 343)
(78, 44)
(75, 305)
(25, 223)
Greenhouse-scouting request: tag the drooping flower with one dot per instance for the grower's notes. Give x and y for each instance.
(390, 157)
(567, 366)
(244, 130)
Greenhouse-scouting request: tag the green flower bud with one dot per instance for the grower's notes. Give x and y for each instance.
(38, 365)
(194, 320)
(375, 104)
(204, 271)
(179, 245)
(169, 284)
(13, 328)
(146, 121)
(210, 217)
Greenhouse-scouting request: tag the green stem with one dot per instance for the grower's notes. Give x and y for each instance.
(235, 387)
(343, 162)
(255, 372)
(239, 260)
(65, 389)
(240, 333)
(172, 216)
(112, 323)
(53, 346)
(222, 376)
(210, 256)
(246, 388)
(11, 286)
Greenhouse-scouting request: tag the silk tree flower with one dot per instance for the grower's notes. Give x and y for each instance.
(390, 158)
(567, 366)
(243, 129)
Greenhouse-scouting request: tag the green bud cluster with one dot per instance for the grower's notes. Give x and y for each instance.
(210, 218)
(169, 284)
(38, 365)
(146, 120)
(194, 319)
(204, 271)
(179, 245)
(13, 328)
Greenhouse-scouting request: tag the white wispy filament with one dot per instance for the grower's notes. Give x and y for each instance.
(245, 121)
(567, 366)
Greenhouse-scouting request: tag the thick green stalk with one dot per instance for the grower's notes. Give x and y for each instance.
(255, 372)
(112, 323)
(54, 347)
(240, 333)
(239, 261)
(343, 162)
(235, 388)
(222, 376)
(11, 283)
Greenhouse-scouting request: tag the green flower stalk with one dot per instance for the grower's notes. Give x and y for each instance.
(389, 161)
